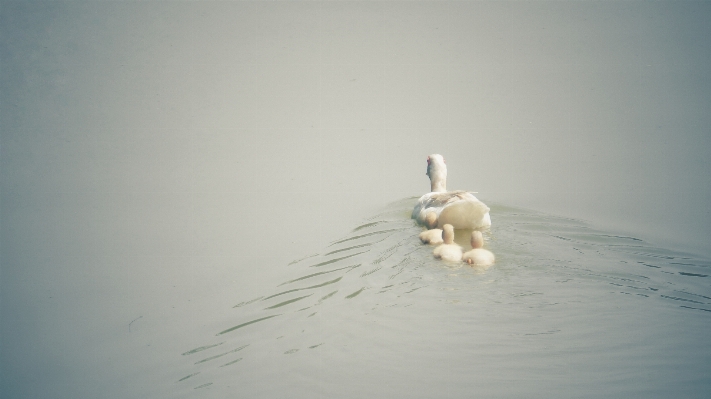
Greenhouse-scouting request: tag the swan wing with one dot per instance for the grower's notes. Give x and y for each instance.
(439, 200)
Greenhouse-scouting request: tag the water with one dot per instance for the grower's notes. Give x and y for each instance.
(163, 162)
(566, 311)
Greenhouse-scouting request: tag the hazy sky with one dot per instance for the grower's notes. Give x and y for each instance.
(159, 131)
(597, 110)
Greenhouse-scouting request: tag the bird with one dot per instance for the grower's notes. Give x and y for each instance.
(433, 236)
(478, 256)
(459, 208)
(449, 250)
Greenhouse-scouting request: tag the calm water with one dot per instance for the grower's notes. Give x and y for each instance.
(166, 167)
(567, 311)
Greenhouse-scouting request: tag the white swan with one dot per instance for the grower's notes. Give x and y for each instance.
(478, 256)
(461, 209)
(432, 236)
(449, 250)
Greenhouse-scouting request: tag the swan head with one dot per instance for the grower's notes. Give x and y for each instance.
(448, 234)
(477, 239)
(437, 172)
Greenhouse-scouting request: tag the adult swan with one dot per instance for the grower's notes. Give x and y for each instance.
(461, 209)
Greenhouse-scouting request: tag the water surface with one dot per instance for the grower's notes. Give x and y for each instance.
(164, 163)
(566, 311)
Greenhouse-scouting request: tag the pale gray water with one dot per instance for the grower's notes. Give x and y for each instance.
(164, 161)
(567, 311)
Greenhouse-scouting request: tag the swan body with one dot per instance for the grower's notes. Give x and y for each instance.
(478, 256)
(448, 250)
(461, 209)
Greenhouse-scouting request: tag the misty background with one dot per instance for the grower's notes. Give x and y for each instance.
(144, 140)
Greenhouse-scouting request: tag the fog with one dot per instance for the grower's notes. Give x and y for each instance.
(141, 138)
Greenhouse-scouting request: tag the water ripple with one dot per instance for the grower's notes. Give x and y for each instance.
(548, 268)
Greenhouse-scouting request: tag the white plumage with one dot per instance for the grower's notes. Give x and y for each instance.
(449, 250)
(461, 209)
(432, 237)
(478, 256)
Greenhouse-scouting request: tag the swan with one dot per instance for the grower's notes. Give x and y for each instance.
(478, 256)
(449, 250)
(459, 208)
(432, 236)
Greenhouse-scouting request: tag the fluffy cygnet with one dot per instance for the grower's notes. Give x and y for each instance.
(478, 256)
(449, 250)
(432, 236)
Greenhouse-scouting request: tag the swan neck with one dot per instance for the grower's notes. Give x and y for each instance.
(438, 185)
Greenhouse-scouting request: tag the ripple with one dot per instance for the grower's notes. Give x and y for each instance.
(246, 324)
(551, 275)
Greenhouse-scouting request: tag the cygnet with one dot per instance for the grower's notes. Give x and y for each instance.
(449, 250)
(432, 236)
(478, 256)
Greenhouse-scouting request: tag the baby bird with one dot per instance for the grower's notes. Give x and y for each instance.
(432, 236)
(478, 256)
(449, 250)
